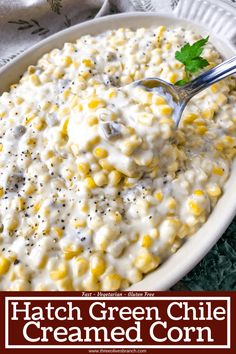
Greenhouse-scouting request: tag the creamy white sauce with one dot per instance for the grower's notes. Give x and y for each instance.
(100, 188)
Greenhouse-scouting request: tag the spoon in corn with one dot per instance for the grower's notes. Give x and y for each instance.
(178, 96)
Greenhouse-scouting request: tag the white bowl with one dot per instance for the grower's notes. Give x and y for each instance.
(195, 248)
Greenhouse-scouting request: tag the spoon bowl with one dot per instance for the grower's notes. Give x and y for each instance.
(176, 97)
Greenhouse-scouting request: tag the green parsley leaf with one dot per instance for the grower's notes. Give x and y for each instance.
(181, 82)
(189, 52)
(196, 64)
(190, 56)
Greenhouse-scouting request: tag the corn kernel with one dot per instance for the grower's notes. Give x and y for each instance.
(134, 275)
(146, 97)
(95, 223)
(79, 223)
(219, 146)
(161, 30)
(173, 78)
(100, 179)
(173, 167)
(194, 208)
(58, 73)
(63, 112)
(92, 121)
(46, 106)
(43, 261)
(214, 190)
(84, 207)
(229, 140)
(129, 146)
(13, 86)
(183, 231)
(115, 177)
(31, 142)
(78, 108)
(88, 63)
(97, 265)
(112, 93)
(29, 118)
(49, 154)
(31, 69)
(145, 261)
(171, 203)
(4, 265)
(215, 88)
(145, 118)
(75, 149)
(93, 141)
(40, 125)
(66, 94)
(46, 211)
(155, 234)
(74, 101)
(81, 266)
(68, 174)
(198, 192)
(2, 114)
(167, 121)
(12, 276)
(208, 113)
(85, 75)
(165, 110)
(146, 241)
(19, 100)
(221, 99)
(72, 251)
(12, 225)
(231, 153)
(95, 103)
(201, 130)
(104, 236)
(218, 171)
(1, 192)
(89, 182)
(116, 217)
(177, 65)
(168, 45)
(66, 284)
(20, 285)
(21, 203)
(60, 273)
(91, 283)
(106, 165)
(83, 167)
(21, 272)
(100, 153)
(30, 189)
(64, 126)
(159, 196)
(111, 282)
(66, 61)
(57, 231)
(189, 118)
(144, 159)
(35, 79)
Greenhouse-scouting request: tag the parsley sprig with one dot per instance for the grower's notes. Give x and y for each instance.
(190, 56)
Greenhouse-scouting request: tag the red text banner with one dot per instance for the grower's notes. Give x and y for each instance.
(118, 322)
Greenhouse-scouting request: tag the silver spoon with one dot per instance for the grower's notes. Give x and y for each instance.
(178, 96)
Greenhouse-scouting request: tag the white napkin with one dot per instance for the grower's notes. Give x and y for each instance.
(26, 22)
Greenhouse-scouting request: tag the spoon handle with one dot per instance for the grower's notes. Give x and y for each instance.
(209, 77)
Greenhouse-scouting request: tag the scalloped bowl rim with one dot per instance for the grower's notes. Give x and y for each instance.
(197, 246)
